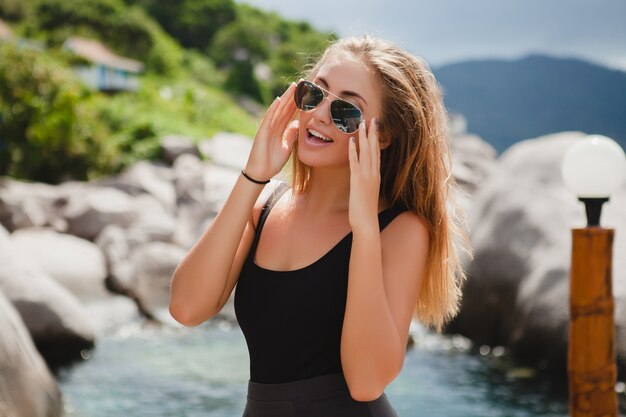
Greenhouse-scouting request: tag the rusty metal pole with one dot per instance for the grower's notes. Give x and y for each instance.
(591, 363)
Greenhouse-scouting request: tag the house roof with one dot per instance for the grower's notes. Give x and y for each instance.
(94, 51)
(5, 31)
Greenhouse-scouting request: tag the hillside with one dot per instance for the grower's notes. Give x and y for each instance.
(506, 101)
(195, 81)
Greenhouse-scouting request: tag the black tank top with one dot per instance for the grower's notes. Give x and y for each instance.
(292, 320)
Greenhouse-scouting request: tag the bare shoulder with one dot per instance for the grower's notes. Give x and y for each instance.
(262, 199)
(406, 230)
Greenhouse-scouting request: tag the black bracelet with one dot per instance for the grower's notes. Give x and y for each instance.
(252, 179)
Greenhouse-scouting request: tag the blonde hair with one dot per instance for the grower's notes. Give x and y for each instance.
(415, 168)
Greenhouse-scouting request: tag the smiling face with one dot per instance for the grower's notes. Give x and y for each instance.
(347, 77)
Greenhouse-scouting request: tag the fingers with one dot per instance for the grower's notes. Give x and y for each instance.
(287, 103)
(352, 156)
(374, 145)
(286, 115)
(290, 134)
(364, 148)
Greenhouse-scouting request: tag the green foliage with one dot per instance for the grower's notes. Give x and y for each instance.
(192, 22)
(52, 128)
(12, 10)
(201, 69)
(168, 106)
(126, 30)
(259, 37)
(46, 133)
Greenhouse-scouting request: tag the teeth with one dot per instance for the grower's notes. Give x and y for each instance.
(319, 135)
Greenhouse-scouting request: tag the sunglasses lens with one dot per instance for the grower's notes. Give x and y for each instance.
(308, 95)
(346, 116)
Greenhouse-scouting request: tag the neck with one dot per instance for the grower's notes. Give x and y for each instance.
(328, 192)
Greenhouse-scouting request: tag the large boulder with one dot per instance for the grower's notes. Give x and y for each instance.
(173, 146)
(88, 209)
(27, 388)
(141, 270)
(55, 319)
(517, 293)
(26, 204)
(188, 173)
(152, 222)
(145, 177)
(75, 263)
(473, 161)
(226, 149)
(154, 264)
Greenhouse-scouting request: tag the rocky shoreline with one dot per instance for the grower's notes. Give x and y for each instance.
(72, 253)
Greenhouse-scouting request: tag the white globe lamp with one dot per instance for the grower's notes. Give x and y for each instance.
(593, 168)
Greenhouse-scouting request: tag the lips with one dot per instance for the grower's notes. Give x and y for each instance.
(319, 135)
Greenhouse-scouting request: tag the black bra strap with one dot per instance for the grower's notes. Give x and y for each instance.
(273, 198)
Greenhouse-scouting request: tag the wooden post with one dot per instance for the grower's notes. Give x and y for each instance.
(591, 361)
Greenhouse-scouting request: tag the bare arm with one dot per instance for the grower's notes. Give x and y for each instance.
(204, 279)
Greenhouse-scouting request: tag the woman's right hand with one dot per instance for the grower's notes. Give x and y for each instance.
(274, 139)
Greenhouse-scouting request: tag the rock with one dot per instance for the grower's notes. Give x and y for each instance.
(75, 263)
(517, 293)
(117, 245)
(173, 146)
(144, 176)
(7, 256)
(28, 204)
(227, 150)
(57, 322)
(154, 179)
(88, 211)
(219, 182)
(110, 315)
(473, 161)
(193, 219)
(54, 318)
(27, 388)
(189, 179)
(152, 222)
(154, 265)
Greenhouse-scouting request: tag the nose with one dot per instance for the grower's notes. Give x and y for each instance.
(322, 112)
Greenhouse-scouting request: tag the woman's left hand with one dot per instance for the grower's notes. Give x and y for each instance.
(364, 178)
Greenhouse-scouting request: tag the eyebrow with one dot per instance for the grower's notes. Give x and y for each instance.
(343, 93)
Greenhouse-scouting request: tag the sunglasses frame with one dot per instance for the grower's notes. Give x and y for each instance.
(325, 94)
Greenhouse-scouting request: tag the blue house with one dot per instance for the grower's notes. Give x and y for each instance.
(106, 71)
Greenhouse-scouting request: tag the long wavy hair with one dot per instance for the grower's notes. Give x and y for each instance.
(415, 168)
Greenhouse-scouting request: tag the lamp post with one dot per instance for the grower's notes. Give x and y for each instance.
(593, 169)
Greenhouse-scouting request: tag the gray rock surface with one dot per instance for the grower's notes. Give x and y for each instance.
(517, 294)
(173, 146)
(27, 388)
(75, 263)
(88, 209)
(227, 150)
(55, 319)
(154, 264)
(28, 204)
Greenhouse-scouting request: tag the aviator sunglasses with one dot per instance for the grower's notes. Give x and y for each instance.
(346, 116)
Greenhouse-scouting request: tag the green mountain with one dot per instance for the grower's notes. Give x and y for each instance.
(507, 101)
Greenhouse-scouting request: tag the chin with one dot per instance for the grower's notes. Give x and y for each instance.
(322, 161)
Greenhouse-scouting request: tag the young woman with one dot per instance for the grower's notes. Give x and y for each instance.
(357, 245)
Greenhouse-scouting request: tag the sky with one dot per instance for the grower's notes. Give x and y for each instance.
(445, 31)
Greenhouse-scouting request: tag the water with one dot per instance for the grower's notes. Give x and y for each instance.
(203, 371)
